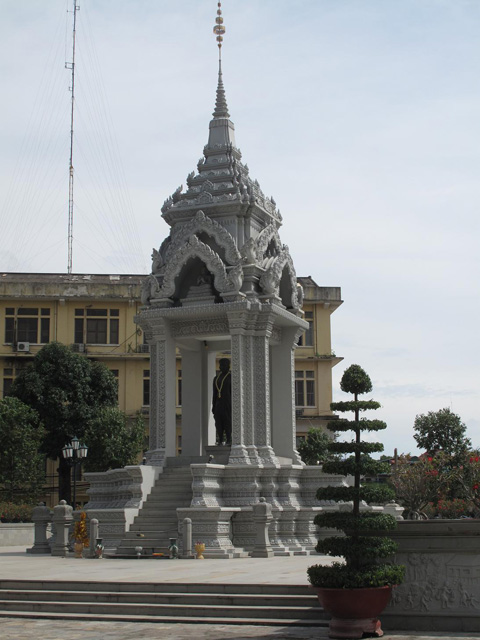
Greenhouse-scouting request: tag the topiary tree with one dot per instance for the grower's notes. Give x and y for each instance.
(360, 550)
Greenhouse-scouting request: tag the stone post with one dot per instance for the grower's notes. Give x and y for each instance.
(93, 537)
(62, 519)
(187, 539)
(262, 517)
(41, 516)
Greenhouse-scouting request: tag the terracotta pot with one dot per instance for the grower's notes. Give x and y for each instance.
(78, 549)
(354, 611)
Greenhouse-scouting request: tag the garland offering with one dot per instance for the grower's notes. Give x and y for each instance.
(80, 532)
(360, 551)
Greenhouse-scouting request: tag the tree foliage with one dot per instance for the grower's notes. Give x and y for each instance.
(74, 396)
(417, 483)
(113, 440)
(360, 551)
(441, 430)
(21, 465)
(314, 449)
(66, 390)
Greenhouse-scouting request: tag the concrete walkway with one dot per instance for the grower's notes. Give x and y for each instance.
(16, 564)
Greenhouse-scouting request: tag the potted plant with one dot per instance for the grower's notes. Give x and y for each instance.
(357, 590)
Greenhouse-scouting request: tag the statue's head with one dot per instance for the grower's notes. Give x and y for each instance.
(224, 365)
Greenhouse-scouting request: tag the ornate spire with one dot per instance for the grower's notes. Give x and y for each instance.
(221, 107)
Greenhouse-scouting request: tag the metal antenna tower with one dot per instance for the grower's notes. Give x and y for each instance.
(71, 66)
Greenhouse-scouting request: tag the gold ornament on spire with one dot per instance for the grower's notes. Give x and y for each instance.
(219, 29)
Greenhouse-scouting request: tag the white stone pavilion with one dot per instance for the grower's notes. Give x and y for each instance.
(222, 281)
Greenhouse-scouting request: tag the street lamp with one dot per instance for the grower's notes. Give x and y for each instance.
(75, 453)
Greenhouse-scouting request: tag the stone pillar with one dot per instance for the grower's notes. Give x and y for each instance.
(62, 519)
(41, 516)
(261, 390)
(238, 452)
(162, 397)
(192, 441)
(262, 517)
(283, 396)
(187, 550)
(93, 537)
(209, 370)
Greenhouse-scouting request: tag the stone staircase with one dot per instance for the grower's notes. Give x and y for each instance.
(276, 605)
(157, 520)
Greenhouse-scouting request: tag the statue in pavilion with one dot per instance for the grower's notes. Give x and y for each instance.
(222, 403)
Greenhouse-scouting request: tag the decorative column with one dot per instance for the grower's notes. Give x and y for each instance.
(261, 395)
(283, 395)
(162, 395)
(238, 452)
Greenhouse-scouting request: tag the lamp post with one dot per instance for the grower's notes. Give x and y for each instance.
(75, 453)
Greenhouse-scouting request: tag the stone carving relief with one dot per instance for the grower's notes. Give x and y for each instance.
(224, 282)
(150, 289)
(202, 223)
(200, 327)
(270, 280)
(159, 257)
(435, 582)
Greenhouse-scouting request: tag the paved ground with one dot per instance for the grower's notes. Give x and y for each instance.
(13, 629)
(16, 564)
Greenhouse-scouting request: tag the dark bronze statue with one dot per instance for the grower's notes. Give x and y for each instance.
(222, 403)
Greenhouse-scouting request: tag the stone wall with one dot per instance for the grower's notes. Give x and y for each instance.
(16, 534)
(441, 591)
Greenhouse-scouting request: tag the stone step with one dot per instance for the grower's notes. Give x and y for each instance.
(154, 525)
(146, 543)
(225, 600)
(270, 622)
(175, 610)
(157, 519)
(159, 587)
(164, 505)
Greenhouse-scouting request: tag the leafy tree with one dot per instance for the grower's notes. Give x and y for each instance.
(417, 484)
(67, 391)
(314, 449)
(21, 465)
(113, 441)
(361, 552)
(467, 477)
(441, 430)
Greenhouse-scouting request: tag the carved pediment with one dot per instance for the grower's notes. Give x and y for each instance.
(202, 223)
(194, 248)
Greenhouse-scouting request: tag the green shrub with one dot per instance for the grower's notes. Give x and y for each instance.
(339, 576)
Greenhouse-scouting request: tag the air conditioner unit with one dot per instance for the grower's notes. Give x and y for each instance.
(144, 348)
(23, 347)
(78, 347)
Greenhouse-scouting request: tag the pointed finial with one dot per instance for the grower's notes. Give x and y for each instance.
(219, 29)
(221, 108)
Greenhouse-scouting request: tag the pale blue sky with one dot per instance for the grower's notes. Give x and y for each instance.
(360, 117)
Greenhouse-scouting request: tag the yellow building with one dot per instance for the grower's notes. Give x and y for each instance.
(94, 314)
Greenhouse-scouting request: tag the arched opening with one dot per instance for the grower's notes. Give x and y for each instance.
(194, 276)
